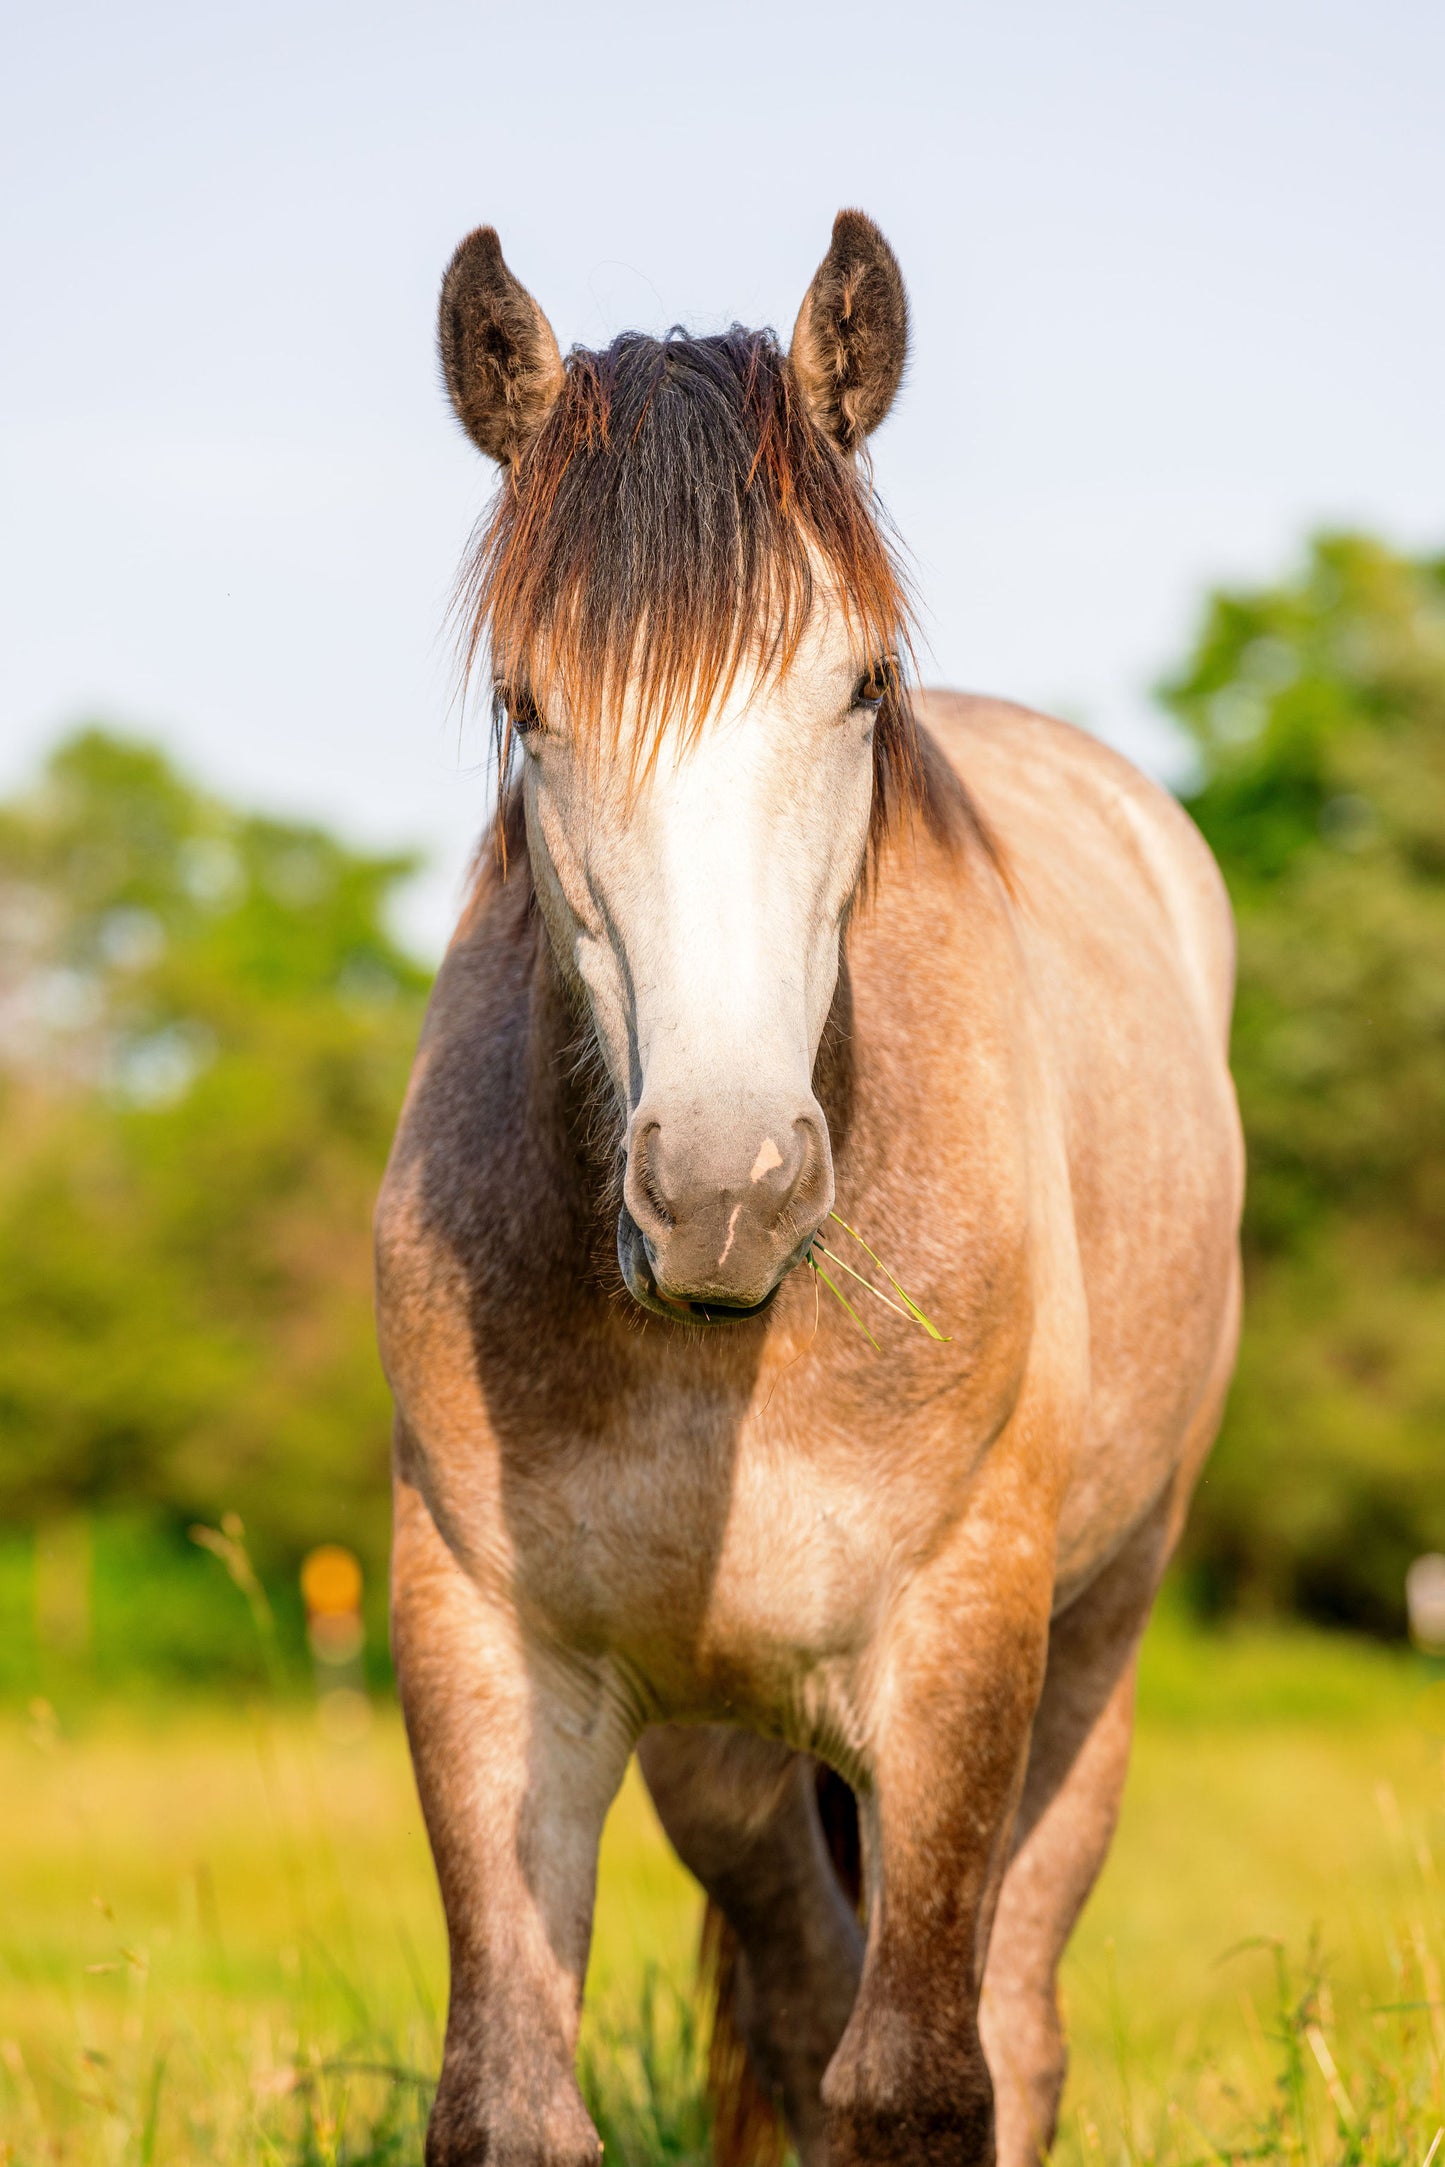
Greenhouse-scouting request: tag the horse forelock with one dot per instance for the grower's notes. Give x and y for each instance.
(664, 536)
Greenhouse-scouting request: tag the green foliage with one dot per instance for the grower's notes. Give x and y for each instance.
(204, 1034)
(1250, 1674)
(1318, 711)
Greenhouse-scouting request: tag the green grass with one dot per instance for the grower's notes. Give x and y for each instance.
(219, 1939)
(137, 1610)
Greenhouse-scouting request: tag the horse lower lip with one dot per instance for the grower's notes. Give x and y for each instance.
(699, 1310)
(691, 1312)
(730, 1312)
(639, 1272)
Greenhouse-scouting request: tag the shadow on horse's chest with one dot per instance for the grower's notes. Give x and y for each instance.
(729, 1553)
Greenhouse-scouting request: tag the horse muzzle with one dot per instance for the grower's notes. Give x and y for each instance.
(710, 1227)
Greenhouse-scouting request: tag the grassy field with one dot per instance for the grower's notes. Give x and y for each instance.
(219, 1939)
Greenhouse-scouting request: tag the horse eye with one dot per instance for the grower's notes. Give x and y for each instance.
(876, 683)
(516, 703)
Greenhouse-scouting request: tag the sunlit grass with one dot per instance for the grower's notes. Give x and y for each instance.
(219, 1939)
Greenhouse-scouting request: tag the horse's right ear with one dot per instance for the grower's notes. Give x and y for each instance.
(499, 353)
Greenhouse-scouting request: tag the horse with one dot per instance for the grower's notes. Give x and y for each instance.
(776, 968)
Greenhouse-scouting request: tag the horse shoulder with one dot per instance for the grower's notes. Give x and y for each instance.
(454, 1203)
(1009, 755)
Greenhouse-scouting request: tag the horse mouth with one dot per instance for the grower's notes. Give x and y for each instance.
(641, 1283)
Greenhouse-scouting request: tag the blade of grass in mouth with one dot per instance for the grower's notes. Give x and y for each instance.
(838, 1295)
(904, 1296)
(834, 1258)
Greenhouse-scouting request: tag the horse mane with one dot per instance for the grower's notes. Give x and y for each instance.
(664, 534)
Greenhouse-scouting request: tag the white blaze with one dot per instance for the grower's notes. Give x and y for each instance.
(701, 909)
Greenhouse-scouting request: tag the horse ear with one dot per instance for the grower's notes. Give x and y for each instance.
(499, 353)
(851, 338)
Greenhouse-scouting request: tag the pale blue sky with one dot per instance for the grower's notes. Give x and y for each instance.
(1176, 274)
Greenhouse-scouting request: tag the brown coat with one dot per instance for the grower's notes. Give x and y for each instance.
(928, 1565)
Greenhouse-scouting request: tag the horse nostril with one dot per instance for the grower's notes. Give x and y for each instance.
(642, 1190)
(782, 1166)
(793, 1185)
(810, 1193)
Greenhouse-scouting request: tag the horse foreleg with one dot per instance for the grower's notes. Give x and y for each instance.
(517, 1756)
(741, 1812)
(1078, 1760)
(959, 1677)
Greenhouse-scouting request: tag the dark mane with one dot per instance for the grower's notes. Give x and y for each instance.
(664, 532)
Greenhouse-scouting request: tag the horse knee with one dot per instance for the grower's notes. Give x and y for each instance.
(899, 2093)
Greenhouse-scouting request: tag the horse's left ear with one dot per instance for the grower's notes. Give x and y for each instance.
(851, 338)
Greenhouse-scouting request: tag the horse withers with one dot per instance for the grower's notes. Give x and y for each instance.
(767, 948)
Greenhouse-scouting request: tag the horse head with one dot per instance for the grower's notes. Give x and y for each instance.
(695, 628)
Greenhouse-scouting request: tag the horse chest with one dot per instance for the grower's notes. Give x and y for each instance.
(729, 1570)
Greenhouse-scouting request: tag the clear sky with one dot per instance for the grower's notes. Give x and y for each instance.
(1177, 282)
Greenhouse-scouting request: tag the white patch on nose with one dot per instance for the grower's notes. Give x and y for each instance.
(732, 1230)
(768, 1157)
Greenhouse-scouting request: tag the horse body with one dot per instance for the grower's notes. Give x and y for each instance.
(925, 1564)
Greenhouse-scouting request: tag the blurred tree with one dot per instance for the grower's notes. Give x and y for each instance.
(1318, 712)
(205, 1029)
